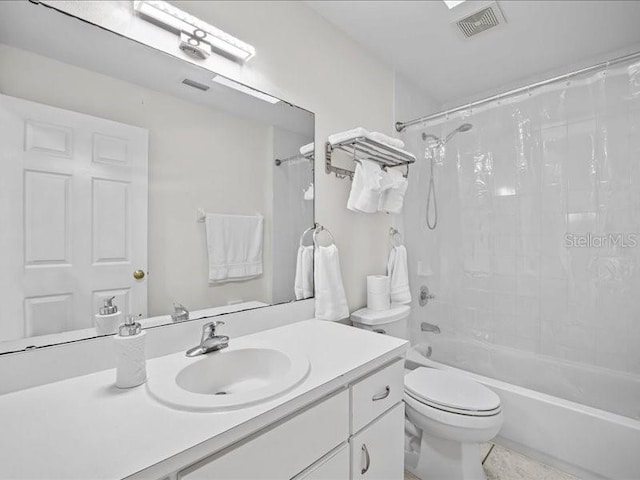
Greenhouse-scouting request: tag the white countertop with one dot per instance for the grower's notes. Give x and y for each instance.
(86, 428)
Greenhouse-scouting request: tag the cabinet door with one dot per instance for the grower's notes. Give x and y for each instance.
(335, 466)
(377, 452)
(283, 450)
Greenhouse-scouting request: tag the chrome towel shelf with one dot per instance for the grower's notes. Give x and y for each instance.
(365, 148)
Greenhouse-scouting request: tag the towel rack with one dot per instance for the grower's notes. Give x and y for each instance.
(367, 149)
(319, 229)
(308, 230)
(307, 156)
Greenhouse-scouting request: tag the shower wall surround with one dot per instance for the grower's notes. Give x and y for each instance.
(538, 242)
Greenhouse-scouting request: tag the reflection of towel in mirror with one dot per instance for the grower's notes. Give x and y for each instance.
(308, 193)
(234, 245)
(399, 275)
(331, 302)
(303, 284)
(365, 189)
(307, 149)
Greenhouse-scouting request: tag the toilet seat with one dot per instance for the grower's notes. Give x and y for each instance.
(451, 393)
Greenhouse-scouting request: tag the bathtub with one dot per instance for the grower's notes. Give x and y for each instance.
(586, 441)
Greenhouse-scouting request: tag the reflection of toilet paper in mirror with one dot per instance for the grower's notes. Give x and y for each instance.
(378, 292)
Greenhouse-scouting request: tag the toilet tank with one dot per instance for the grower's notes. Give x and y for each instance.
(390, 322)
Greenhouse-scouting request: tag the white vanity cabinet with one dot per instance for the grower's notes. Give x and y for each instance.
(355, 433)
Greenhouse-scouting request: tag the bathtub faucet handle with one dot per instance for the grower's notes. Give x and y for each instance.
(425, 295)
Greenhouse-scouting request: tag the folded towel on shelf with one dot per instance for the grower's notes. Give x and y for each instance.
(347, 135)
(393, 187)
(386, 139)
(365, 188)
(331, 301)
(303, 284)
(306, 149)
(399, 275)
(234, 245)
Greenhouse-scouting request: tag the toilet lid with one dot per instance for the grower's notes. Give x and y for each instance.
(450, 390)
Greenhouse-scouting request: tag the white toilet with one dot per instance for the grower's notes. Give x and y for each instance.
(451, 413)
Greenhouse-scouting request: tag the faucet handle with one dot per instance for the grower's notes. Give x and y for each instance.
(209, 329)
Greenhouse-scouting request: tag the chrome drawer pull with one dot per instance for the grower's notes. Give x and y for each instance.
(383, 395)
(367, 459)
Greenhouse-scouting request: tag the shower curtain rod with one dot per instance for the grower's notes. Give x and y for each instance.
(400, 126)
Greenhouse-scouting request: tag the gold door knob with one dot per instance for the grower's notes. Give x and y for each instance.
(138, 274)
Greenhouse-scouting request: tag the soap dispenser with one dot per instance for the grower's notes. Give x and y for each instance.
(108, 318)
(130, 357)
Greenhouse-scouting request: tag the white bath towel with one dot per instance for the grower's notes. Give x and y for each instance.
(347, 135)
(386, 139)
(306, 149)
(393, 187)
(399, 275)
(234, 245)
(331, 302)
(303, 284)
(365, 188)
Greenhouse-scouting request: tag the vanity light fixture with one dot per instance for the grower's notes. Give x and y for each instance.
(244, 89)
(452, 3)
(198, 38)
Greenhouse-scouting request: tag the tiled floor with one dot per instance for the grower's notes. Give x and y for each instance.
(503, 464)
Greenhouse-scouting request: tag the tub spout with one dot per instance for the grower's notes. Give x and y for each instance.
(429, 327)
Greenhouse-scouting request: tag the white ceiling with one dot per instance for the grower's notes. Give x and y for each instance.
(419, 41)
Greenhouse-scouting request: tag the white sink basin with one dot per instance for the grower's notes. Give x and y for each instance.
(231, 378)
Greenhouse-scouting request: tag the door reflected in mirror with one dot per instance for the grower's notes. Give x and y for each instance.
(137, 177)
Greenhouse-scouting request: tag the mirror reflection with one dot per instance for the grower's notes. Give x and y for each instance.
(162, 191)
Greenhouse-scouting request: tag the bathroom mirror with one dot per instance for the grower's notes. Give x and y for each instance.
(141, 177)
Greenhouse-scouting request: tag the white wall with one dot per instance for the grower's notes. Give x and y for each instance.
(410, 101)
(193, 153)
(305, 60)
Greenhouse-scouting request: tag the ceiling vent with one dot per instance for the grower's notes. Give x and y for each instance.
(488, 17)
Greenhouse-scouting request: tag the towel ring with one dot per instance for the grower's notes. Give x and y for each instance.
(319, 229)
(395, 235)
(310, 229)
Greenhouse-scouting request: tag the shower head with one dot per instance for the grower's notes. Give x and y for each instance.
(465, 127)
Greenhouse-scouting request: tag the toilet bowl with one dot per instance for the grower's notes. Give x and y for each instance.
(450, 415)
(455, 415)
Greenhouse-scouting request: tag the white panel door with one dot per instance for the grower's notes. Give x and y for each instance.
(73, 207)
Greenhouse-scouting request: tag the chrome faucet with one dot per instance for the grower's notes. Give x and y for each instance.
(429, 327)
(180, 313)
(210, 342)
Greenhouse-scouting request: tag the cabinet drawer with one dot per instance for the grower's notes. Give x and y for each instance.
(335, 466)
(376, 393)
(377, 452)
(283, 450)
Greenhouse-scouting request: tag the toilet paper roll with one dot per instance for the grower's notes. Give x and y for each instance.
(378, 301)
(378, 284)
